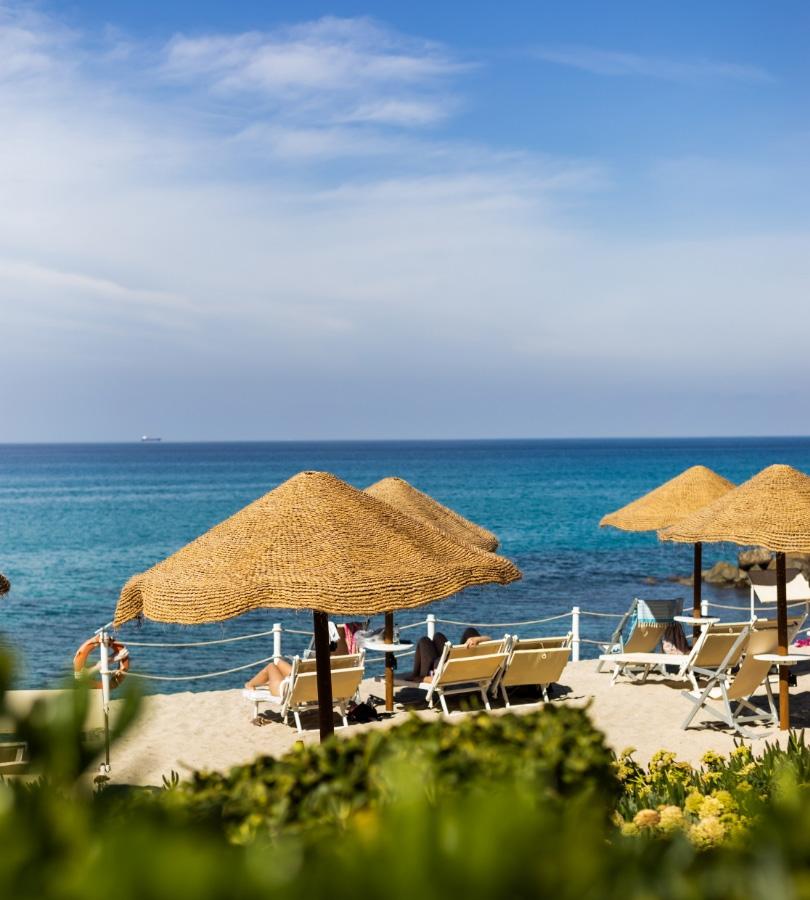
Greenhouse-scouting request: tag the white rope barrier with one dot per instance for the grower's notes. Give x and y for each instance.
(748, 607)
(412, 625)
(564, 615)
(151, 677)
(230, 640)
(601, 615)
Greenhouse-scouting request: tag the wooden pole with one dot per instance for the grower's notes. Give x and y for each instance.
(323, 673)
(781, 628)
(697, 582)
(388, 638)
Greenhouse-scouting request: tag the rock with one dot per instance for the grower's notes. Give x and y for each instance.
(650, 580)
(757, 556)
(5, 584)
(726, 574)
(687, 580)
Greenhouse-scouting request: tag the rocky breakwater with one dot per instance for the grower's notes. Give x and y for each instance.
(729, 574)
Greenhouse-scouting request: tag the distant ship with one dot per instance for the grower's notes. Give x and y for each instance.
(145, 439)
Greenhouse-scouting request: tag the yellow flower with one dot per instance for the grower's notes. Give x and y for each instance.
(707, 832)
(671, 818)
(630, 829)
(693, 802)
(712, 760)
(646, 818)
(726, 800)
(711, 807)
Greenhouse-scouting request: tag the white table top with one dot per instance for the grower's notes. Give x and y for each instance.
(381, 647)
(697, 620)
(790, 660)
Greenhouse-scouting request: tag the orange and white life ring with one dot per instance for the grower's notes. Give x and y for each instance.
(119, 656)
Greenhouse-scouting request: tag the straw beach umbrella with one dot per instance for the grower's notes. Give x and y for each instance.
(418, 505)
(317, 543)
(422, 507)
(672, 501)
(771, 510)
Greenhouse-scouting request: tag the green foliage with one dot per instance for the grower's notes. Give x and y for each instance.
(553, 755)
(511, 806)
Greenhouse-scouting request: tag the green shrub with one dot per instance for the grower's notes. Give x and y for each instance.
(489, 807)
(554, 755)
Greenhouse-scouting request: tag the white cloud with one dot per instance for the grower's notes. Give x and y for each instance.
(610, 62)
(211, 245)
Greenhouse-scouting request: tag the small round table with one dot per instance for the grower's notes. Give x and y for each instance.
(380, 646)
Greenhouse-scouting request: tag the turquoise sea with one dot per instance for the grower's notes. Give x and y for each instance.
(77, 520)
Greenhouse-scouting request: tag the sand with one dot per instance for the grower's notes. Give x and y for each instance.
(212, 730)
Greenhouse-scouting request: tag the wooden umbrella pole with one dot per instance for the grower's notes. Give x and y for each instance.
(781, 627)
(323, 673)
(697, 581)
(388, 638)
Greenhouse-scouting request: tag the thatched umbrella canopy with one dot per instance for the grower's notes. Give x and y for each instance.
(315, 543)
(418, 505)
(672, 501)
(771, 510)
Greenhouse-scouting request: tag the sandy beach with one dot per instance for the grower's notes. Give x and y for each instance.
(212, 730)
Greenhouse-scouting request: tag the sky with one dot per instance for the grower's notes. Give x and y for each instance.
(310, 221)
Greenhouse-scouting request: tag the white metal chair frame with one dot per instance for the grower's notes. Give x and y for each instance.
(556, 649)
(752, 673)
(352, 664)
(477, 666)
(648, 634)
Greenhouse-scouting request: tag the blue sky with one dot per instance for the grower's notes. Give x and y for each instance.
(300, 220)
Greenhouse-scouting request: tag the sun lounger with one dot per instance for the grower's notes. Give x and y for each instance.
(648, 619)
(534, 661)
(710, 648)
(300, 690)
(464, 670)
(734, 690)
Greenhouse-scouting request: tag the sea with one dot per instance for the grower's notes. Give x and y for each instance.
(77, 520)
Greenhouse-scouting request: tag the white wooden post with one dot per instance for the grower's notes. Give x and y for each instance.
(104, 652)
(431, 625)
(704, 608)
(276, 642)
(575, 634)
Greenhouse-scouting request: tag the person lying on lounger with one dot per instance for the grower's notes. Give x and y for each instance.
(429, 650)
(273, 675)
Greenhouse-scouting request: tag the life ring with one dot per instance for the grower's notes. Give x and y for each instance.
(118, 654)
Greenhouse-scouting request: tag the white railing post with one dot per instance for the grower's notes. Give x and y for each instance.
(276, 642)
(431, 625)
(704, 608)
(104, 653)
(575, 634)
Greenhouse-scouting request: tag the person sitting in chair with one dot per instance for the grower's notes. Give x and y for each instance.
(275, 674)
(429, 650)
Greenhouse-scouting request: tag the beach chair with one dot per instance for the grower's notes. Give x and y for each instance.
(648, 619)
(300, 689)
(734, 690)
(709, 650)
(534, 661)
(464, 670)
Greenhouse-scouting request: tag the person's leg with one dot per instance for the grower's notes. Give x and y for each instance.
(424, 657)
(272, 675)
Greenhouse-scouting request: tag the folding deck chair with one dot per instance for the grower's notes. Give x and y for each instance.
(464, 670)
(734, 691)
(648, 619)
(300, 691)
(534, 661)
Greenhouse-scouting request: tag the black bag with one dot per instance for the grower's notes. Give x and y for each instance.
(362, 712)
